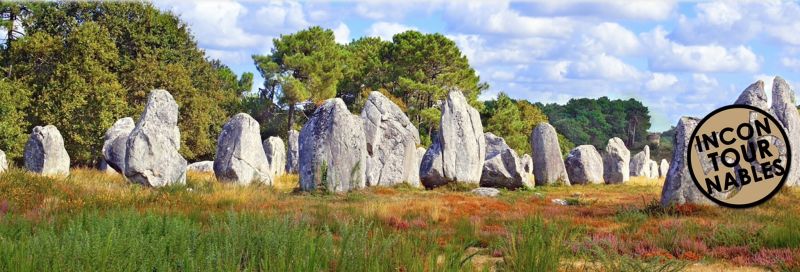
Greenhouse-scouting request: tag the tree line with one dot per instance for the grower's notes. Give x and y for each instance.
(80, 66)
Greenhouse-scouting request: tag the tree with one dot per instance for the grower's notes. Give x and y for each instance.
(505, 119)
(14, 100)
(424, 68)
(83, 58)
(367, 70)
(594, 121)
(304, 67)
(80, 85)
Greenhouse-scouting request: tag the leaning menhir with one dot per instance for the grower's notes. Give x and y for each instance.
(240, 156)
(45, 153)
(115, 142)
(502, 168)
(333, 150)
(584, 165)
(548, 166)
(459, 148)
(151, 156)
(391, 143)
(678, 186)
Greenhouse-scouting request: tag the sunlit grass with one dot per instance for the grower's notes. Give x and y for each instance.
(433, 230)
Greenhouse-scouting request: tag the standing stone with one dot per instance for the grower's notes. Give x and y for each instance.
(616, 168)
(662, 169)
(584, 165)
(653, 165)
(292, 155)
(679, 187)
(151, 155)
(115, 142)
(783, 108)
(45, 153)
(391, 143)
(754, 96)
(527, 166)
(459, 148)
(3, 162)
(639, 167)
(502, 168)
(201, 167)
(548, 167)
(333, 149)
(240, 155)
(276, 155)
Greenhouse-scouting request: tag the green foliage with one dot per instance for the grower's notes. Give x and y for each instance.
(79, 84)
(594, 121)
(534, 246)
(305, 66)
(513, 121)
(98, 61)
(133, 241)
(14, 100)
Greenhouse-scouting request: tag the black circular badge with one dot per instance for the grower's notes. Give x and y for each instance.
(739, 156)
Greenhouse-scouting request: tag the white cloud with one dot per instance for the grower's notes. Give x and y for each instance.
(667, 55)
(342, 33)
(602, 67)
(281, 16)
(659, 81)
(496, 17)
(736, 22)
(791, 63)
(639, 10)
(215, 23)
(385, 30)
(610, 38)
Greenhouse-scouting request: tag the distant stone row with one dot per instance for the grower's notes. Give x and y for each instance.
(679, 188)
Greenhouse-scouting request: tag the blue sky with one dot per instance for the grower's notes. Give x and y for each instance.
(678, 58)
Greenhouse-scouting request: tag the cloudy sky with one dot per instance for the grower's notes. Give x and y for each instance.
(678, 58)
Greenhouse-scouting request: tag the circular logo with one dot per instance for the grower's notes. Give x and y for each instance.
(739, 156)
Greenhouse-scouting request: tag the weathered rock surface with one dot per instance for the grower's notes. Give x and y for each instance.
(584, 165)
(653, 165)
(276, 155)
(548, 167)
(486, 192)
(755, 96)
(391, 143)
(3, 162)
(502, 168)
(663, 168)
(783, 108)
(45, 153)
(639, 163)
(201, 167)
(333, 150)
(459, 148)
(292, 155)
(151, 155)
(115, 143)
(679, 187)
(616, 162)
(240, 155)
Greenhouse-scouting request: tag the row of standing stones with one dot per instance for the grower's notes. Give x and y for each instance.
(338, 151)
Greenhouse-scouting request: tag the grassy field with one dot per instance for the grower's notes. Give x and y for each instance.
(92, 221)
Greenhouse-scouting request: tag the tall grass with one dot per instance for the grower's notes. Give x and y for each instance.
(133, 241)
(534, 246)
